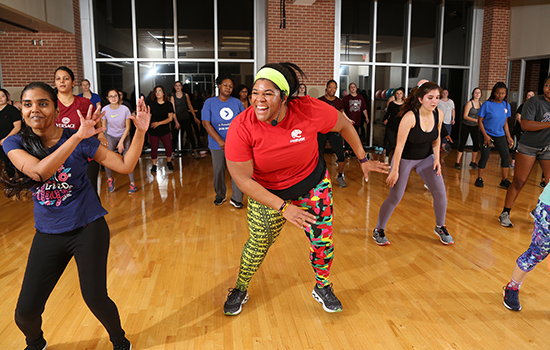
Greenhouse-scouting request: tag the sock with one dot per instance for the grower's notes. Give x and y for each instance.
(513, 284)
(506, 210)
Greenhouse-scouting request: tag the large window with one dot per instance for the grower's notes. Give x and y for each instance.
(413, 40)
(170, 40)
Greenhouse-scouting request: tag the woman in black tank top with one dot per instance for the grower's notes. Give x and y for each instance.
(418, 142)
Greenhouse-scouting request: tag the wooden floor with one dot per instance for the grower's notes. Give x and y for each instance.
(174, 255)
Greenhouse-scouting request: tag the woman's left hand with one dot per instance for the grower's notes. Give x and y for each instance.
(437, 167)
(374, 165)
(299, 217)
(87, 124)
(510, 142)
(120, 147)
(142, 116)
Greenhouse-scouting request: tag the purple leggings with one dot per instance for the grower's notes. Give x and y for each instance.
(424, 168)
(166, 141)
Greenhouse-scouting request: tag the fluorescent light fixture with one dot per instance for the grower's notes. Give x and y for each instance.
(237, 37)
(235, 43)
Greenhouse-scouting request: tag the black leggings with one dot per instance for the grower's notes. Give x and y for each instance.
(501, 144)
(336, 143)
(186, 127)
(466, 130)
(48, 258)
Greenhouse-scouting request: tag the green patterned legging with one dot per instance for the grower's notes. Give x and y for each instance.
(265, 225)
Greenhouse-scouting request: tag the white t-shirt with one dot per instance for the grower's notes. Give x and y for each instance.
(447, 109)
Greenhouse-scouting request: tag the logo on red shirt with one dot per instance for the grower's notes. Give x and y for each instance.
(297, 136)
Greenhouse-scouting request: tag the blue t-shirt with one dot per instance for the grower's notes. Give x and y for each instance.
(95, 99)
(220, 114)
(66, 201)
(494, 117)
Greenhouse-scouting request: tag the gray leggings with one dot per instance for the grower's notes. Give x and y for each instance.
(113, 142)
(424, 168)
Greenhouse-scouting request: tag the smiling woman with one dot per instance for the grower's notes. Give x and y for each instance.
(52, 164)
(272, 154)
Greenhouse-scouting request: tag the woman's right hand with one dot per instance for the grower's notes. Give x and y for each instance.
(178, 126)
(392, 178)
(487, 141)
(299, 217)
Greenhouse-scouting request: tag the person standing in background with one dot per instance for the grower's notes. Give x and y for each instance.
(447, 106)
(354, 106)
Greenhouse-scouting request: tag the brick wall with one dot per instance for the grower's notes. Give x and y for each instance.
(494, 46)
(307, 41)
(23, 63)
(532, 76)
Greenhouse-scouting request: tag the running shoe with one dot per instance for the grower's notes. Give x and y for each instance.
(457, 166)
(380, 237)
(511, 299)
(341, 181)
(542, 184)
(326, 297)
(111, 184)
(504, 219)
(532, 213)
(443, 234)
(124, 345)
(505, 183)
(238, 205)
(235, 301)
(154, 169)
(133, 188)
(170, 166)
(219, 201)
(479, 182)
(42, 346)
(474, 165)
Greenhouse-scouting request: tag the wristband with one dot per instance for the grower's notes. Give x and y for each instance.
(283, 207)
(366, 159)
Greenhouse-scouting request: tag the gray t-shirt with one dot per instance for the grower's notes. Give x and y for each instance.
(536, 109)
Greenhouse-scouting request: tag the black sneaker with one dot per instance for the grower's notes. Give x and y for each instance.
(505, 183)
(542, 184)
(42, 346)
(457, 166)
(444, 235)
(170, 166)
(479, 182)
(474, 165)
(219, 201)
(511, 299)
(326, 297)
(235, 301)
(124, 345)
(154, 169)
(238, 205)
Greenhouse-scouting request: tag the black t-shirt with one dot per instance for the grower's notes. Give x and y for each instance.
(159, 112)
(391, 115)
(8, 116)
(536, 109)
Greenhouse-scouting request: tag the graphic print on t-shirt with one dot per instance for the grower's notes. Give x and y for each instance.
(297, 136)
(355, 105)
(56, 189)
(546, 117)
(66, 123)
(226, 113)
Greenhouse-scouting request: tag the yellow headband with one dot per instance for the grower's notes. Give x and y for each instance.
(276, 77)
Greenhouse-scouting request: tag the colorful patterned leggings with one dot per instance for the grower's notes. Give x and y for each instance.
(265, 224)
(540, 242)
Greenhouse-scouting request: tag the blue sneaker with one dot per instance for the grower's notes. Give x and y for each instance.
(511, 299)
(111, 184)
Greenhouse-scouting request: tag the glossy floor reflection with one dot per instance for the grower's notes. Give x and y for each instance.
(174, 255)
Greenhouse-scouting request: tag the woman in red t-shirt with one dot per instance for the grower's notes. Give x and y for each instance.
(68, 118)
(272, 154)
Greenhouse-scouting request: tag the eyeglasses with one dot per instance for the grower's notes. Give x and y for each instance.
(112, 96)
(157, 91)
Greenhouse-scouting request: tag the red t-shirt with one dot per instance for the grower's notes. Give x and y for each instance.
(285, 154)
(68, 118)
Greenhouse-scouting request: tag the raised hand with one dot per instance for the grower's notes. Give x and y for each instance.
(142, 116)
(88, 124)
(374, 165)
